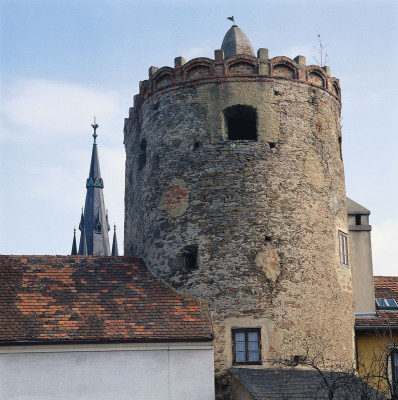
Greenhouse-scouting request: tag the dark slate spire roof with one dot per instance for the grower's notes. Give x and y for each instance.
(236, 42)
(93, 225)
(81, 223)
(74, 247)
(115, 251)
(83, 243)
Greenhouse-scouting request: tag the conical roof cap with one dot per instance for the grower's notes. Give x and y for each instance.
(236, 42)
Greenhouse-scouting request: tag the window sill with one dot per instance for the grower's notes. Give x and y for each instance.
(247, 363)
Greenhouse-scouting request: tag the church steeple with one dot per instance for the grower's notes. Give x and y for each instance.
(93, 225)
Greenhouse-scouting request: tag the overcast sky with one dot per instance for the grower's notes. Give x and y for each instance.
(62, 62)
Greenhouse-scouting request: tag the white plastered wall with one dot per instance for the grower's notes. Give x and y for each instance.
(169, 371)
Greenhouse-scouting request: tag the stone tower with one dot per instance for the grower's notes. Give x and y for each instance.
(235, 194)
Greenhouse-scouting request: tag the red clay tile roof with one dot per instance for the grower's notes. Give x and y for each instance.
(385, 287)
(93, 299)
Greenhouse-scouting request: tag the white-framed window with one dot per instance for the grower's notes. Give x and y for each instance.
(246, 345)
(343, 247)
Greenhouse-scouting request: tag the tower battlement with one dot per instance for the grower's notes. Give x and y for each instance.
(240, 67)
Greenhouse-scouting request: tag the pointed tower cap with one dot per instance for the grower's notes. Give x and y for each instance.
(236, 42)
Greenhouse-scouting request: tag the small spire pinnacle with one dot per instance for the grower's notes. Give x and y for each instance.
(107, 221)
(74, 247)
(115, 251)
(83, 244)
(81, 223)
(95, 126)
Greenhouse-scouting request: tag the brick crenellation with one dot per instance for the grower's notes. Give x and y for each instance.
(241, 67)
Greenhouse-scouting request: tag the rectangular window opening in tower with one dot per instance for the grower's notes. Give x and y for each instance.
(343, 246)
(246, 346)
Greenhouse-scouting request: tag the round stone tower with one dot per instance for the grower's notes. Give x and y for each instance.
(235, 194)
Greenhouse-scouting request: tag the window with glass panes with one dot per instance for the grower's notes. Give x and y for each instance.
(246, 346)
(343, 242)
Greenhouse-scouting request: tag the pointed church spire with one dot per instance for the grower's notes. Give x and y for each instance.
(93, 225)
(74, 247)
(115, 251)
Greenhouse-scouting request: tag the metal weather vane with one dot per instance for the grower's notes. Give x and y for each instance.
(232, 19)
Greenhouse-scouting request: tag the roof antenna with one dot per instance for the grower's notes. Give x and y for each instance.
(232, 19)
(95, 126)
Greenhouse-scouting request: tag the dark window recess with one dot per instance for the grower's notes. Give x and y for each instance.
(268, 238)
(340, 147)
(246, 344)
(142, 155)
(272, 145)
(98, 227)
(190, 258)
(357, 219)
(156, 161)
(130, 176)
(241, 122)
(196, 146)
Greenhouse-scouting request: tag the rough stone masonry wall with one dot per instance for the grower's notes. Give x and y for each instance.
(265, 220)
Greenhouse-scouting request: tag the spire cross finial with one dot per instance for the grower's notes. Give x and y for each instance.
(95, 126)
(114, 227)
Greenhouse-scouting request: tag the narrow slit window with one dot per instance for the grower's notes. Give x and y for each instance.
(142, 155)
(340, 147)
(357, 219)
(241, 122)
